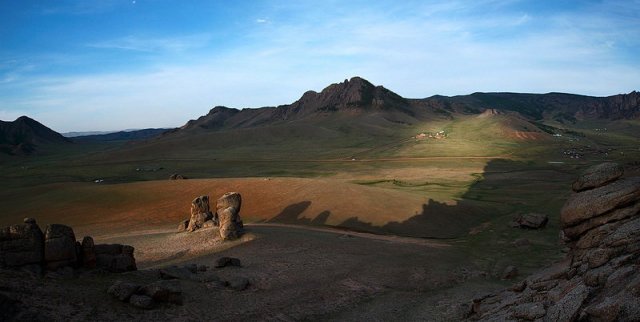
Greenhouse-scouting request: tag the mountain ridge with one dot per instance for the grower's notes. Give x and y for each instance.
(358, 96)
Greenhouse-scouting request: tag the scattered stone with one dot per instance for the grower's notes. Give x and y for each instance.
(182, 226)
(238, 283)
(509, 272)
(122, 290)
(205, 278)
(227, 261)
(530, 221)
(59, 246)
(115, 257)
(164, 291)
(176, 176)
(29, 220)
(597, 176)
(174, 272)
(141, 301)
(521, 242)
(519, 287)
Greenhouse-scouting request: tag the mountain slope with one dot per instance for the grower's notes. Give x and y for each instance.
(355, 117)
(22, 136)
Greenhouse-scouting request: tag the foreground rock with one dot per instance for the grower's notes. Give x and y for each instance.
(146, 296)
(21, 245)
(201, 216)
(25, 247)
(228, 210)
(599, 278)
(59, 247)
(530, 221)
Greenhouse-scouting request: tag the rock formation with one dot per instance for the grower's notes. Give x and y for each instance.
(200, 213)
(228, 210)
(599, 279)
(176, 176)
(59, 247)
(24, 246)
(21, 245)
(530, 221)
(115, 257)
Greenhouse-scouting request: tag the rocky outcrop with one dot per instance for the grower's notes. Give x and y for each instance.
(21, 245)
(26, 247)
(200, 213)
(145, 297)
(201, 216)
(530, 221)
(599, 279)
(228, 210)
(59, 247)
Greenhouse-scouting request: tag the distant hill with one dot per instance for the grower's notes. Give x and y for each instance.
(121, 135)
(87, 133)
(358, 96)
(24, 135)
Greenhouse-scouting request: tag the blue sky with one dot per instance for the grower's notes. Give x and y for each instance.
(116, 64)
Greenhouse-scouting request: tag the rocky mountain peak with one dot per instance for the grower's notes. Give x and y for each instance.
(355, 93)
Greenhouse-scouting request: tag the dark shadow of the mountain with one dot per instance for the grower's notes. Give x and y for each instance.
(291, 215)
(439, 220)
(502, 189)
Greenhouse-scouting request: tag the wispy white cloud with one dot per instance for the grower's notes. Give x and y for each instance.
(156, 44)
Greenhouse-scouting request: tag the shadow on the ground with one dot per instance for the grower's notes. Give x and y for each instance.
(504, 188)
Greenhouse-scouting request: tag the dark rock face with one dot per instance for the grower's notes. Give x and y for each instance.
(227, 261)
(164, 291)
(59, 247)
(597, 176)
(123, 291)
(115, 257)
(530, 221)
(599, 280)
(21, 245)
(25, 247)
(88, 252)
(228, 210)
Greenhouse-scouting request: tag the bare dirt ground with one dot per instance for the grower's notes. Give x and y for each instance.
(105, 209)
(294, 274)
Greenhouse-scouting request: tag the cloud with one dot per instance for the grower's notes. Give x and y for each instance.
(155, 44)
(448, 48)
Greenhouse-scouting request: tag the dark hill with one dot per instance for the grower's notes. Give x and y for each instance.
(24, 135)
(357, 97)
(352, 97)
